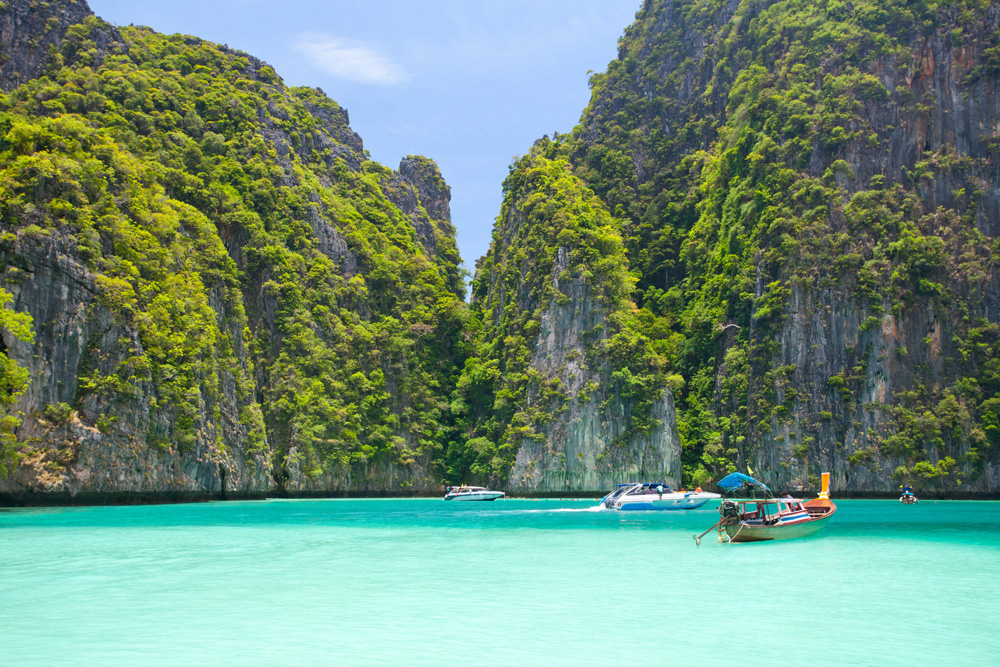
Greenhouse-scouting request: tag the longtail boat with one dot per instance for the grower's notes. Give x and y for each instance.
(750, 513)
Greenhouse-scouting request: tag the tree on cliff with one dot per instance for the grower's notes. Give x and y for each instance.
(808, 209)
(252, 285)
(13, 378)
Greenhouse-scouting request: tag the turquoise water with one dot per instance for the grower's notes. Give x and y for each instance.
(515, 582)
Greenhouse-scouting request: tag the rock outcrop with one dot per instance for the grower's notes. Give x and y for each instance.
(29, 31)
(94, 442)
(564, 396)
(420, 192)
(815, 210)
(774, 235)
(586, 449)
(226, 300)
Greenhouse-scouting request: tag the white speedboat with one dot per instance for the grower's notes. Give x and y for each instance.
(654, 496)
(472, 493)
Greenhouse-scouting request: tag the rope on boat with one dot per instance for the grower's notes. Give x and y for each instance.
(730, 516)
(733, 538)
(721, 524)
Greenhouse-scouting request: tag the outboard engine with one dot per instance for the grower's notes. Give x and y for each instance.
(608, 501)
(730, 511)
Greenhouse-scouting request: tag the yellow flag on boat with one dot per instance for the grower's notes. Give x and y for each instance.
(750, 470)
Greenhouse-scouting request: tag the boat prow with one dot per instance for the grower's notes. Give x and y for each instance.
(762, 518)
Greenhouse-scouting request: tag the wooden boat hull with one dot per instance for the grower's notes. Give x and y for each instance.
(759, 533)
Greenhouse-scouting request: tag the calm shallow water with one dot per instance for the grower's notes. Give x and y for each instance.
(514, 582)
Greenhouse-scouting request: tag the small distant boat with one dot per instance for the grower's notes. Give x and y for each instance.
(908, 498)
(760, 517)
(472, 493)
(654, 496)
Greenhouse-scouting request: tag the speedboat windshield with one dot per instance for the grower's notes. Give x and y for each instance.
(651, 487)
(619, 490)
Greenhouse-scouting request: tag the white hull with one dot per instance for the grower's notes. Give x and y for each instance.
(666, 501)
(484, 495)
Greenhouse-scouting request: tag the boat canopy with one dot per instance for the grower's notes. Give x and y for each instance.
(737, 479)
(765, 501)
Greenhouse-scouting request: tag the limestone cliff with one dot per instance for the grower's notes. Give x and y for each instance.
(421, 193)
(812, 204)
(93, 427)
(587, 447)
(28, 31)
(229, 298)
(563, 397)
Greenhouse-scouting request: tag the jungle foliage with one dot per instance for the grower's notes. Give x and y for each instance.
(552, 233)
(739, 163)
(742, 149)
(200, 190)
(13, 379)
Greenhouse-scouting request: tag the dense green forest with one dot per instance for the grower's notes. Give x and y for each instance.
(199, 191)
(774, 233)
(503, 398)
(13, 381)
(804, 147)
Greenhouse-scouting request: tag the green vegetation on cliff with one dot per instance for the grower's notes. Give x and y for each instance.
(552, 232)
(771, 151)
(782, 211)
(13, 379)
(238, 226)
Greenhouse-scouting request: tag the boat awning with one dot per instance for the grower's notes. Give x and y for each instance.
(737, 479)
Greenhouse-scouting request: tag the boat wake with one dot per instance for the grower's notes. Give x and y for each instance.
(592, 508)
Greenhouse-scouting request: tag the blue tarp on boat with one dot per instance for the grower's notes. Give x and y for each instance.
(735, 480)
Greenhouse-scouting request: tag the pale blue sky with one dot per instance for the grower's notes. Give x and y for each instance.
(468, 83)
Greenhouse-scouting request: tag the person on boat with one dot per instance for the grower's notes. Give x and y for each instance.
(787, 496)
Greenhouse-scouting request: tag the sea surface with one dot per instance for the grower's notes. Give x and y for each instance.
(513, 582)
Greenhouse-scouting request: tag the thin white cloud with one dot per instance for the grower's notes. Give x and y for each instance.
(349, 60)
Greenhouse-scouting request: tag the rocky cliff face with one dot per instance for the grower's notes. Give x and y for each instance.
(812, 200)
(421, 193)
(227, 302)
(849, 427)
(782, 215)
(563, 397)
(28, 31)
(587, 448)
(95, 442)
